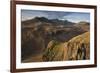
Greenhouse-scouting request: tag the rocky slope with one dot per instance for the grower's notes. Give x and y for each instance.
(78, 48)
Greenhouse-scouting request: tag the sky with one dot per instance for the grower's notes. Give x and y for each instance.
(71, 16)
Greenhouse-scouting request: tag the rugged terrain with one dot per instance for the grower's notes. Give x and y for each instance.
(39, 33)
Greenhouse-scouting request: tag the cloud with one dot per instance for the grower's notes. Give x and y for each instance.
(77, 17)
(71, 16)
(28, 14)
(56, 15)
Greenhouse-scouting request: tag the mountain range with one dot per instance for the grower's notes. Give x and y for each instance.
(36, 33)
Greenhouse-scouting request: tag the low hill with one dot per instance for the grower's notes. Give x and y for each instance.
(83, 25)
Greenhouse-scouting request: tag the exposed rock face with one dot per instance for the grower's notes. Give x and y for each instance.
(78, 48)
(75, 49)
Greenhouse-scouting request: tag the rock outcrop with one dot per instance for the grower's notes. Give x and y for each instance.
(78, 48)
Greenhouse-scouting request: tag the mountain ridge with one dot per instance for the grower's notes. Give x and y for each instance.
(40, 31)
(46, 20)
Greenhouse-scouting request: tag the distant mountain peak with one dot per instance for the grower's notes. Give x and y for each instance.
(45, 20)
(83, 22)
(41, 19)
